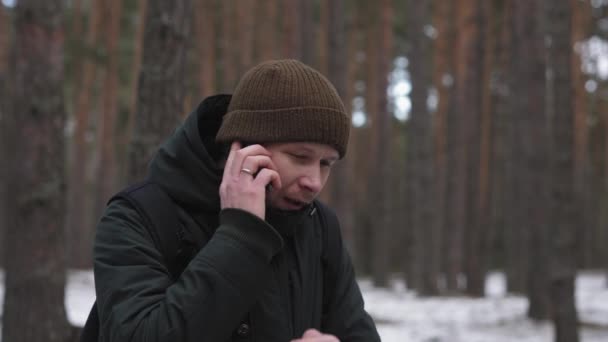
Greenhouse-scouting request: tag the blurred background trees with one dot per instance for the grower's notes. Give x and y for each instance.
(479, 141)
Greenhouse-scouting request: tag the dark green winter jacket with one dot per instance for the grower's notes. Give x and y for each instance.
(249, 279)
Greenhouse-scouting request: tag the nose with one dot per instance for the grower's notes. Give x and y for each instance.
(311, 181)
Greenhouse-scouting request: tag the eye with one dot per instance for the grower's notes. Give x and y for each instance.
(300, 157)
(326, 163)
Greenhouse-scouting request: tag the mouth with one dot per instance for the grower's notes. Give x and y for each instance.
(293, 203)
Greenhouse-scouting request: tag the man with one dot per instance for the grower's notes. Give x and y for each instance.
(243, 172)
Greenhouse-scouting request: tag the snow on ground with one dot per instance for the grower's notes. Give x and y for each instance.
(401, 316)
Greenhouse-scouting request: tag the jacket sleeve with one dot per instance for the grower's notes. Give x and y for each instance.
(345, 317)
(137, 300)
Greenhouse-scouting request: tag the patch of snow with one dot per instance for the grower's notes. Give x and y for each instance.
(401, 315)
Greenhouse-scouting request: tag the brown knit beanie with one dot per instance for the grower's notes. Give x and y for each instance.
(286, 101)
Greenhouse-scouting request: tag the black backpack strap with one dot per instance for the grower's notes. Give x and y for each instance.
(160, 217)
(158, 211)
(329, 256)
(90, 331)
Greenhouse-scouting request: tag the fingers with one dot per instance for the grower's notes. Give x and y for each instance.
(235, 164)
(256, 163)
(230, 160)
(247, 190)
(313, 335)
(268, 176)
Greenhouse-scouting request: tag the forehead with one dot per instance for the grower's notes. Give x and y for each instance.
(322, 150)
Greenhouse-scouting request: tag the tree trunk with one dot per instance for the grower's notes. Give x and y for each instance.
(603, 108)
(323, 38)
(471, 56)
(5, 140)
(443, 71)
(341, 184)
(291, 29)
(227, 36)
(35, 242)
(508, 156)
(205, 40)
(78, 223)
(501, 125)
(557, 18)
(382, 126)
(5, 26)
(463, 139)
(529, 89)
(127, 133)
(161, 81)
(486, 232)
(420, 156)
(266, 32)
(358, 144)
(5, 41)
(457, 161)
(368, 213)
(142, 6)
(581, 25)
(246, 27)
(517, 230)
(307, 33)
(107, 172)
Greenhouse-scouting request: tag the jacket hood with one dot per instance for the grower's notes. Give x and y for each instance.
(186, 165)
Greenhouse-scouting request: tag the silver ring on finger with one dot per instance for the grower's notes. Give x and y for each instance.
(247, 171)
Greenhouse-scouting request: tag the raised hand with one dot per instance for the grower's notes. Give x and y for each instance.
(247, 172)
(313, 335)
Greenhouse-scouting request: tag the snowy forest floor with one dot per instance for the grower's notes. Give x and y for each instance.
(402, 316)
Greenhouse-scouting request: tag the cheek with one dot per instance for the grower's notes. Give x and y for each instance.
(284, 169)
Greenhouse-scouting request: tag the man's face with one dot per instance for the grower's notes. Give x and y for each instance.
(303, 169)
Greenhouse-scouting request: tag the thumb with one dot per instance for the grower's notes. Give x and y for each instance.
(312, 333)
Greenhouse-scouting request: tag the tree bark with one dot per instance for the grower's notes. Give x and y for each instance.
(359, 144)
(205, 41)
(368, 231)
(529, 109)
(107, 171)
(5, 26)
(161, 82)
(581, 27)
(227, 36)
(35, 242)
(517, 241)
(307, 33)
(457, 161)
(471, 56)
(5, 139)
(138, 42)
(291, 29)
(485, 232)
(501, 126)
(246, 28)
(341, 183)
(443, 71)
(419, 153)
(266, 32)
(558, 20)
(78, 223)
(463, 139)
(384, 227)
(142, 6)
